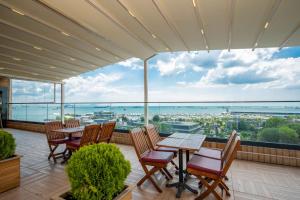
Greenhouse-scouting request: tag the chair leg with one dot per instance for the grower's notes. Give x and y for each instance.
(168, 173)
(173, 163)
(210, 189)
(148, 176)
(226, 178)
(165, 174)
(52, 150)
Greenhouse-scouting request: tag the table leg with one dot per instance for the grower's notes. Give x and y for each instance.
(181, 185)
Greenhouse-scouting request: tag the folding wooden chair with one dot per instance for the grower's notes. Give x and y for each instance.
(73, 123)
(153, 136)
(157, 160)
(55, 139)
(214, 169)
(106, 132)
(219, 154)
(89, 136)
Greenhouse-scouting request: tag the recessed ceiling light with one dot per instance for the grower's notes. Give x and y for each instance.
(206, 47)
(116, 58)
(256, 44)
(37, 48)
(194, 3)
(266, 25)
(64, 33)
(98, 49)
(18, 59)
(2, 68)
(35, 74)
(72, 59)
(202, 31)
(74, 72)
(52, 67)
(167, 49)
(16, 11)
(154, 36)
(131, 13)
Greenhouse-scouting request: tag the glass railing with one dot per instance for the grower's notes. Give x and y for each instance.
(275, 122)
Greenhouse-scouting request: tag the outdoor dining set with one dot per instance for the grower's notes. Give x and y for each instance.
(208, 165)
(155, 153)
(74, 136)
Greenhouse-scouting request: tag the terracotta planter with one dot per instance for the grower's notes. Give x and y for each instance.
(125, 195)
(9, 173)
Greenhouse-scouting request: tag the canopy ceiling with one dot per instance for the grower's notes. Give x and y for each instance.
(56, 39)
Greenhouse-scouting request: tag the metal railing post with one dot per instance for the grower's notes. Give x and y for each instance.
(146, 108)
(62, 101)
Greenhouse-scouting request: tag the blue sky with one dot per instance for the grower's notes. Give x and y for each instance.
(263, 74)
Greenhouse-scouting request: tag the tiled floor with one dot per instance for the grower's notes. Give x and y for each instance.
(41, 179)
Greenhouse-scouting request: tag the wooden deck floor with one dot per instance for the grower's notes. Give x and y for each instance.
(40, 179)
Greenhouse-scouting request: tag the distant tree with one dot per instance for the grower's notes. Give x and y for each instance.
(156, 118)
(287, 135)
(283, 134)
(269, 135)
(275, 122)
(142, 119)
(124, 119)
(296, 127)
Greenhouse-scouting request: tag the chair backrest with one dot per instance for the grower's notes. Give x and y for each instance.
(50, 126)
(152, 135)
(90, 135)
(231, 154)
(72, 123)
(140, 141)
(106, 132)
(228, 144)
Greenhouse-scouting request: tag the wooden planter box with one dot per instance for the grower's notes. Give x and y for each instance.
(125, 195)
(9, 173)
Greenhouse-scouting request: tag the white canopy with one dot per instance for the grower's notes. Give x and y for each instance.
(56, 39)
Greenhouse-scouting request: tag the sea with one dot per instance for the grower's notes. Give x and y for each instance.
(45, 112)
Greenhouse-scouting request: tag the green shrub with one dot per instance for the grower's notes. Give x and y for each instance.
(283, 134)
(7, 145)
(97, 172)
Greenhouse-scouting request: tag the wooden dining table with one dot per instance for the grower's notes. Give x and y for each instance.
(68, 132)
(183, 142)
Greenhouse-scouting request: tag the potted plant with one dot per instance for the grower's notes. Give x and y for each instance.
(9, 162)
(97, 172)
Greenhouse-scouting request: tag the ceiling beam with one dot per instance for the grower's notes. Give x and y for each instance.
(231, 10)
(200, 23)
(266, 22)
(283, 43)
(171, 26)
(151, 33)
(123, 27)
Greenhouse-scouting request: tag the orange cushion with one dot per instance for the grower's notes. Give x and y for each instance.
(157, 157)
(210, 153)
(205, 164)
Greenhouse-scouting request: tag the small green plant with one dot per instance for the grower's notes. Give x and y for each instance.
(97, 172)
(7, 145)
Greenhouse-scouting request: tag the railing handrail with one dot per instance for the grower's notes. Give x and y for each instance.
(162, 102)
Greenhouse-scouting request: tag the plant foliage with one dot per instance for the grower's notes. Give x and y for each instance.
(7, 145)
(97, 172)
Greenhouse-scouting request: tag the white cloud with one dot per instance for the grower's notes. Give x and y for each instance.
(132, 63)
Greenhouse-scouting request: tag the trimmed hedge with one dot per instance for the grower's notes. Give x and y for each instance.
(97, 172)
(7, 145)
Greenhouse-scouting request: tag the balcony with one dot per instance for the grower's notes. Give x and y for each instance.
(41, 179)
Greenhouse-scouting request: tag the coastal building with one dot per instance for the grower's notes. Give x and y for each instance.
(184, 127)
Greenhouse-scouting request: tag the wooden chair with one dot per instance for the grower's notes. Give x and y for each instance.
(55, 139)
(73, 123)
(219, 154)
(153, 136)
(89, 136)
(157, 160)
(106, 132)
(214, 169)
